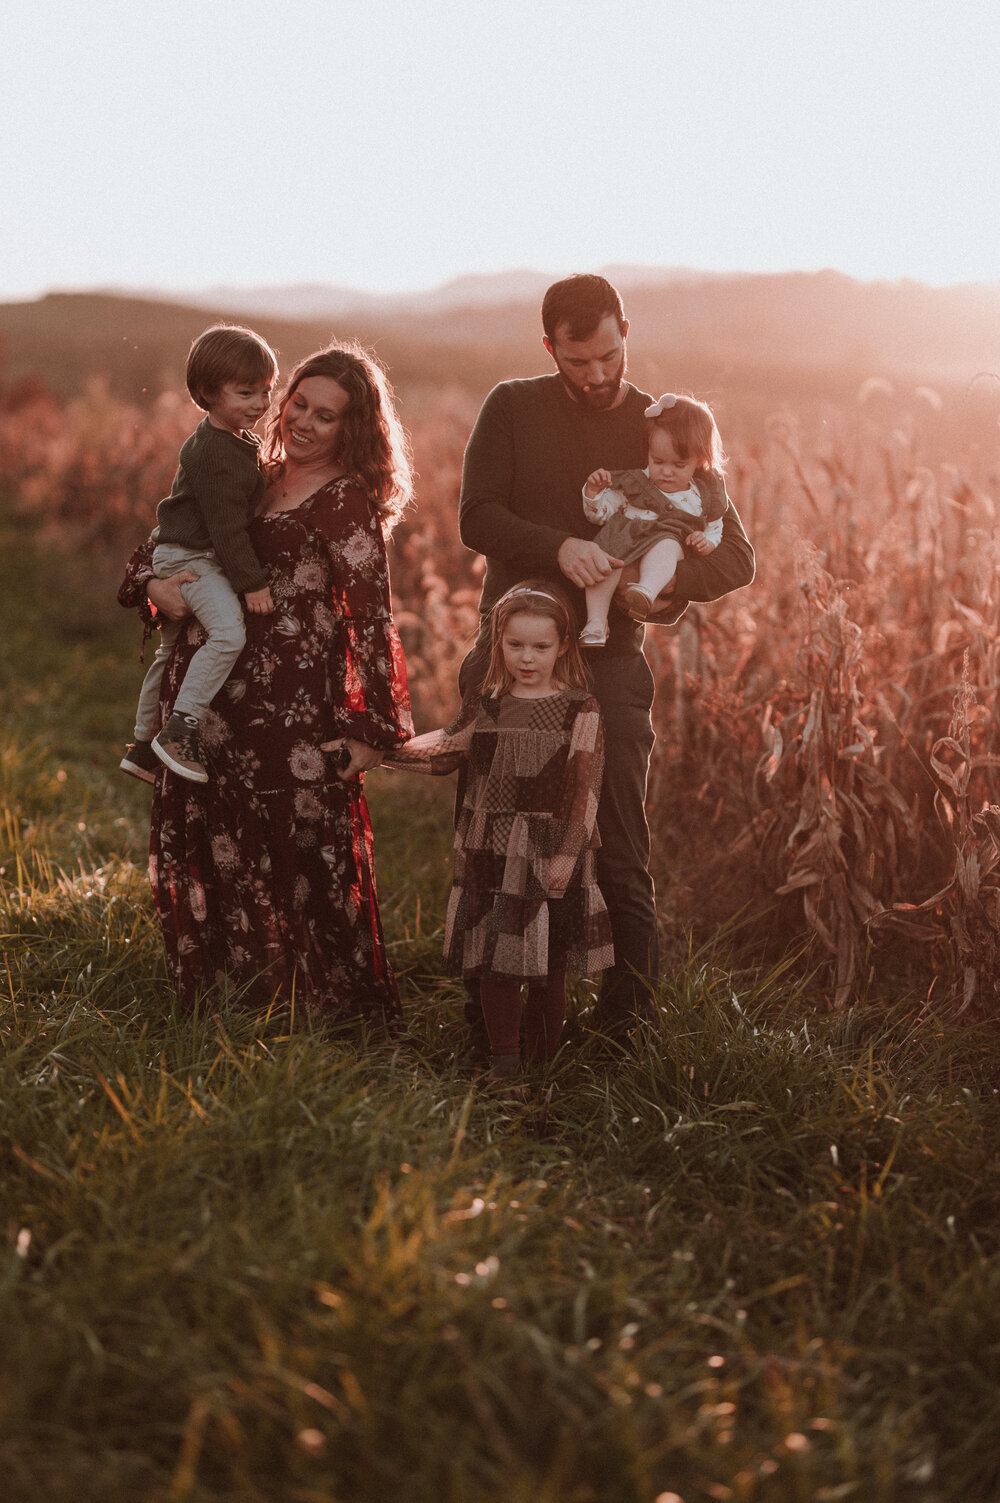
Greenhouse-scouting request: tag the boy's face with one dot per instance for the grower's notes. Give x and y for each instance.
(239, 404)
(667, 470)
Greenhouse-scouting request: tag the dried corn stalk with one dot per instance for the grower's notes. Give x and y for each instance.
(963, 918)
(836, 828)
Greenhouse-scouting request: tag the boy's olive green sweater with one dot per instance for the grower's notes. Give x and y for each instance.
(216, 490)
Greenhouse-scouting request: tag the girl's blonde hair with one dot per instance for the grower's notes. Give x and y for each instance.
(535, 597)
(373, 444)
(691, 425)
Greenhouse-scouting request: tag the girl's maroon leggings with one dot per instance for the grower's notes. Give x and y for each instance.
(544, 1014)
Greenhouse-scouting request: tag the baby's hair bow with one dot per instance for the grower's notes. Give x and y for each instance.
(667, 400)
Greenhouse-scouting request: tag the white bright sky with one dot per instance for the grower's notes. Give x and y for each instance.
(393, 144)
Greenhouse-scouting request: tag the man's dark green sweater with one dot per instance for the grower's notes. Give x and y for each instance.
(215, 493)
(527, 459)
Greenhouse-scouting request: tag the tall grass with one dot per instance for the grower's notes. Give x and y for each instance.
(755, 1258)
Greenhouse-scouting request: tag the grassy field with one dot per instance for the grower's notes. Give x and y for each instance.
(756, 1259)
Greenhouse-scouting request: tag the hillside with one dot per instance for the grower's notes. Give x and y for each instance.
(791, 334)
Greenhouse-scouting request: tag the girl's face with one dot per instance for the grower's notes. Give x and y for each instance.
(312, 419)
(667, 470)
(531, 649)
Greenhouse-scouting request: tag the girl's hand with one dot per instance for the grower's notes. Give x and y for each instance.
(699, 543)
(360, 757)
(599, 481)
(167, 596)
(259, 602)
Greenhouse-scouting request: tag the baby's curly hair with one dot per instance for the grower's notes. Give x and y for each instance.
(691, 426)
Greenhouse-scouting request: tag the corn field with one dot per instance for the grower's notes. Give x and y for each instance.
(826, 773)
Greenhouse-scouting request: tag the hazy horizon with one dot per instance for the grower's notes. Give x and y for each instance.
(628, 276)
(393, 150)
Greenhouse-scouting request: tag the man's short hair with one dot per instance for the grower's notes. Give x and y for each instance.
(581, 303)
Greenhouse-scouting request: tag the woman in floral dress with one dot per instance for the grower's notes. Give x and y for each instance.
(263, 878)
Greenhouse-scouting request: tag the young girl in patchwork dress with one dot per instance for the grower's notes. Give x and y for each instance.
(678, 501)
(525, 906)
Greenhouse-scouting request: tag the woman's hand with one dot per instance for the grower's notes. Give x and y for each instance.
(362, 756)
(167, 596)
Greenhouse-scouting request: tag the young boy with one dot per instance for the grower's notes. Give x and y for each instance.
(202, 526)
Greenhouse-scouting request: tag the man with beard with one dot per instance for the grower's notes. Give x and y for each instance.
(532, 448)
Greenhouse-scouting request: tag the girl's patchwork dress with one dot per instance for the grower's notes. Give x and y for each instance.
(531, 783)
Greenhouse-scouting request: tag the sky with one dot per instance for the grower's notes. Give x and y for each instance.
(389, 146)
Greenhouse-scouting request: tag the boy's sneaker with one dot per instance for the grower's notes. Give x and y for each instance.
(140, 761)
(178, 747)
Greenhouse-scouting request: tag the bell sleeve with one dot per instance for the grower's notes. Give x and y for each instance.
(132, 590)
(366, 653)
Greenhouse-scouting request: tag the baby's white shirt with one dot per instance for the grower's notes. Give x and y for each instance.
(687, 501)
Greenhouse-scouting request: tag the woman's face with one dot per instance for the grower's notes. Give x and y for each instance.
(312, 419)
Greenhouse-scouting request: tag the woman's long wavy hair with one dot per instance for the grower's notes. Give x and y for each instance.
(373, 444)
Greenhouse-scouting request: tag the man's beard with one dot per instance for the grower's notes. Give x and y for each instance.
(598, 398)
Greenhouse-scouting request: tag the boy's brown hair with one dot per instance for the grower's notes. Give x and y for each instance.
(226, 353)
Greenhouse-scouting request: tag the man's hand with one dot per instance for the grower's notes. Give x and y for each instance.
(259, 602)
(167, 596)
(585, 563)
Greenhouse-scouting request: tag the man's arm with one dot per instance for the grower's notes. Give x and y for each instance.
(729, 567)
(486, 523)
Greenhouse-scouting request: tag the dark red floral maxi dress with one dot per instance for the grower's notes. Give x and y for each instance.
(263, 877)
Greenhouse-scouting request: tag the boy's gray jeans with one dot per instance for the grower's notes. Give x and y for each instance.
(217, 606)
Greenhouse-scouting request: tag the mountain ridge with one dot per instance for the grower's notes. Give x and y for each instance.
(703, 332)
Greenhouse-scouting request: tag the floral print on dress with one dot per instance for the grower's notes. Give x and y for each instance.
(263, 878)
